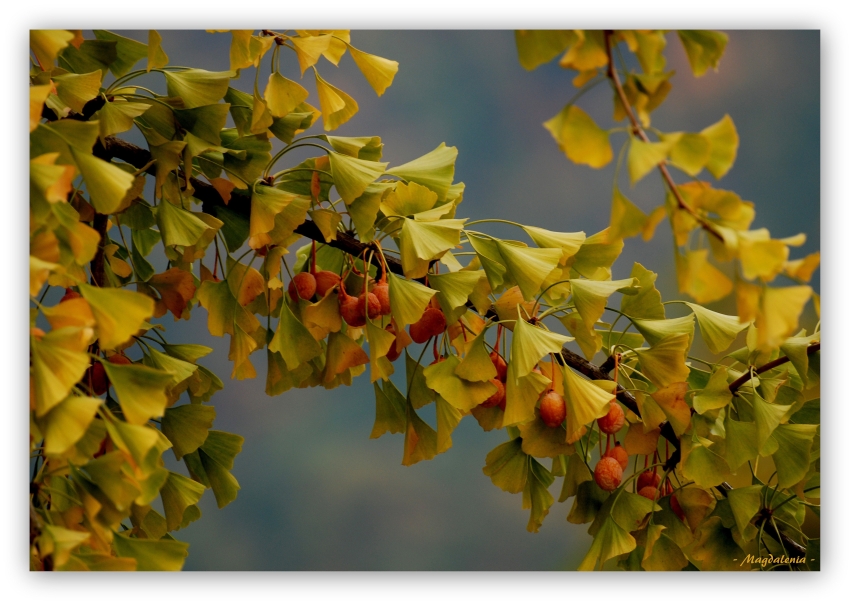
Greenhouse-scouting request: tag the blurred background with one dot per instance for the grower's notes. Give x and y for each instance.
(317, 493)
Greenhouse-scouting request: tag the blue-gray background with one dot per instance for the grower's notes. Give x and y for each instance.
(317, 493)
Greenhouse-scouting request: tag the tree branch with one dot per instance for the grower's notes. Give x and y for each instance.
(734, 386)
(638, 130)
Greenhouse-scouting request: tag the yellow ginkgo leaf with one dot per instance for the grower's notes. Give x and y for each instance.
(67, 422)
(76, 90)
(530, 344)
(802, 269)
(664, 363)
(461, 394)
(337, 106)
(379, 72)
(38, 94)
(528, 266)
(106, 183)
(585, 402)
(779, 314)
(569, 243)
(700, 279)
(283, 95)
(761, 258)
(408, 299)
(644, 157)
(309, 49)
(627, 219)
(671, 399)
(156, 55)
(434, 170)
(718, 330)
(590, 296)
(140, 390)
(724, 146)
(119, 313)
(578, 136)
(59, 361)
(352, 175)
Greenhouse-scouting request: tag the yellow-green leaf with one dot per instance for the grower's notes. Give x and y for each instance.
(106, 183)
(529, 266)
(718, 330)
(67, 422)
(434, 170)
(140, 390)
(530, 344)
(462, 394)
(585, 402)
(379, 72)
(76, 90)
(337, 106)
(664, 363)
(704, 48)
(352, 175)
(408, 299)
(724, 146)
(119, 313)
(578, 136)
(283, 95)
(590, 297)
(644, 157)
(198, 87)
(152, 555)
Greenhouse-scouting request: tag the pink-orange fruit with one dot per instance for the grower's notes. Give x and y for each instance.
(650, 492)
(394, 352)
(432, 323)
(619, 453)
(119, 360)
(96, 376)
(500, 364)
(613, 421)
(352, 311)
(553, 409)
(303, 285)
(608, 474)
(374, 305)
(325, 280)
(648, 479)
(382, 293)
(677, 509)
(69, 295)
(498, 396)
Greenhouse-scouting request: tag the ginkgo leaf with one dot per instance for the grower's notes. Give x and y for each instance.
(715, 394)
(408, 299)
(646, 304)
(536, 496)
(640, 442)
(178, 226)
(293, 340)
(448, 417)
(343, 354)
(662, 553)
(724, 146)
(423, 241)
(67, 422)
(420, 439)
(741, 443)
(309, 49)
(187, 427)
(140, 390)
(530, 344)
(129, 51)
(261, 117)
(212, 462)
(454, 289)
(536, 47)
(671, 399)
(380, 342)
(76, 90)
(689, 152)
(476, 366)
(718, 330)
(585, 402)
(539, 440)
(198, 87)
(462, 394)
(529, 266)
(390, 410)
(369, 148)
(590, 296)
(779, 315)
(644, 157)
(266, 203)
(58, 362)
(521, 395)
(664, 363)
(434, 170)
(38, 94)
(119, 313)
(117, 117)
(569, 243)
(59, 542)
(507, 466)
(656, 330)
(715, 548)
(762, 259)
(47, 43)
(337, 106)
(106, 183)
(352, 175)
(578, 136)
(700, 279)
(176, 287)
(283, 95)
(178, 493)
(157, 57)
(704, 48)
(792, 459)
(701, 464)
(152, 555)
(802, 269)
(609, 541)
(379, 72)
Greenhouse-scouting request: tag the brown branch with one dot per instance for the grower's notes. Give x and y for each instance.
(638, 131)
(734, 386)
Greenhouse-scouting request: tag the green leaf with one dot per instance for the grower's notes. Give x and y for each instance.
(741, 443)
(293, 340)
(212, 462)
(507, 466)
(704, 48)
(408, 299)
(536, 47)
(364, 147)
(460, 393)
(476, 366)
(117, 117)
(530, 344)
(283, 95)
(646, 304)
(379, 72)
(423, 241)
(205, 122)
(352, 175)
(578, 136)
(724, 146)
(528, 266)
(266, 203)
(644, 157)
(140, 390)
(142, 443)
(794, 452)
(448, 417)
(701, 464)
(539, 440)
(59, 542)
(454, 289)
(716, 393)
(434, 170)
(152, 555)
(521, 394)
(179, 493)
(610, 541)
(46, 44)
(198, 87)
(767, 417)
(128, 51)
(536, 495)
(585, 402)
(796, 349)
(106, 183)
(715, 548)
(656, 330)
(745, 503)
(187, 426)
(577, 473)
(157, 57)
(390, 410)
(569, 243)
(67, 422)
(590, 297)
(719, 331)
(58, 362)
(76, 90)
(664, 363)
(420, 439)
(119, 313)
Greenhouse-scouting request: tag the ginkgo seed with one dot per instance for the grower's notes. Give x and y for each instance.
(553, 409)
(497, 397)
(620, 454)
(608, 474)
(432, 323)
(325, 281)
(613, 420)
(302, 285)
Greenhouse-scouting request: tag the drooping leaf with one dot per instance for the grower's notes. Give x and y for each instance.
(507, 466)
(352, 175)
(67, 422)
(656, 330)
(536, 495)
(460, 393)
(536, 47)
(701, 464)
(58, 362)
(390, 410)
(119, 313)
(530, 344)
(420, 439)
(198, 87)
(140, 390)
(152, 555)
(704, 48)
(476, 366)
(792, 458)
(580, 138)
(378, 71)
(528, 266)
(715, 394)
(718, 330)
(434, 170)
(664, 363)
(644, 157)
(585, 402)
(187, 426)
(293, 340)
(590, 296)
(724, 146)
(423, 241)
(128, 51)
(106, 183)
(646, 304)
(212, 462)
(337, 106)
